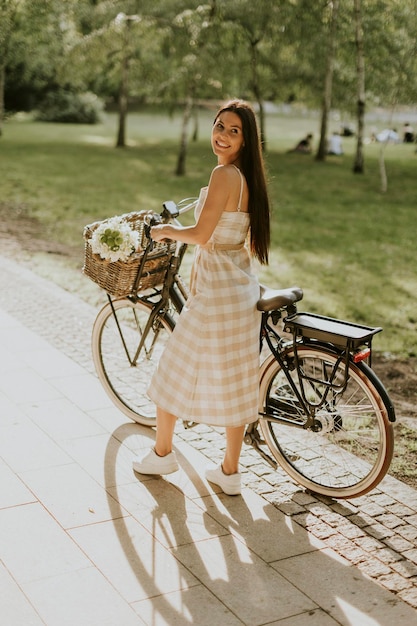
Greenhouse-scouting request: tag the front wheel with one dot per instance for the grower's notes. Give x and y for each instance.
(124, 370)
(348, 449)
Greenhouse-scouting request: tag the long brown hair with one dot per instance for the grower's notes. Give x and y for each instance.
(253, 169)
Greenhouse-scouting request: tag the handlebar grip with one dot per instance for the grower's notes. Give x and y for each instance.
(147, 225)
(155, 219)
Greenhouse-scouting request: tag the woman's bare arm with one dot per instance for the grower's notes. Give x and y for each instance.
(222, 183)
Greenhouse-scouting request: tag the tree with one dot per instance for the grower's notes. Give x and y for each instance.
(114, 53)
(358, 166)
(33, 38)
(189, 47)
(171, 50)
(392, 28)
(259, 37)
(196, 26)
(333, 9)
(127, 52)
(8, 17)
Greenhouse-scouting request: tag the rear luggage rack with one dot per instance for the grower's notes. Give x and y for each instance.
(338, 332)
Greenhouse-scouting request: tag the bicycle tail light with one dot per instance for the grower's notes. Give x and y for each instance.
(361, 355)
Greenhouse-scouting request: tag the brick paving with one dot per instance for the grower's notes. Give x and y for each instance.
(377, 532)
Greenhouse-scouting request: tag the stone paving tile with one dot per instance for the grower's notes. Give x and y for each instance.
(408, 532)
(377, 532)
(15, 608)
(411, 555)
(253, 591)
(62, 600)
(406, 569)
(398, 544)
(34, 546)
(13, 492)
(190, 606)
(334, 585)
(410, 595)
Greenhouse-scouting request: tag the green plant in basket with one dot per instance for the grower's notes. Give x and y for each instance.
(114, 240)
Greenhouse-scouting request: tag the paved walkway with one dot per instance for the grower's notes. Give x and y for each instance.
(85, 542)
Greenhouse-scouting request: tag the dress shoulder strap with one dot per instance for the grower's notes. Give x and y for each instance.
(241, 186)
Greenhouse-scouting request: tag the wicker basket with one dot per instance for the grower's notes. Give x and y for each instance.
(118, 278)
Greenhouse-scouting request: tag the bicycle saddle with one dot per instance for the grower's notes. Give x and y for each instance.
(272, 299)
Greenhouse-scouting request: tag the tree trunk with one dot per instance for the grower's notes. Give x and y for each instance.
(328, 82)
(262, 130)
(382, 169)
(121, 134)
(196, 125)
(358, 165)
(180, 170)
(2, 81)
(257, 92)
(124, 87)
(189, 104)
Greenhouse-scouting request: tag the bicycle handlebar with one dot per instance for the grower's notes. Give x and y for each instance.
(189, 203)
(170, 212)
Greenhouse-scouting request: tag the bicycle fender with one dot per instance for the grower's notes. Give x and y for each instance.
(369, 372)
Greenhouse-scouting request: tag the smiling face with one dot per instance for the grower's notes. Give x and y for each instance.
(227, 138)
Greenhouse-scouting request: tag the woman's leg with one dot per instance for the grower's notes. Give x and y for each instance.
(158, 459)
(165, 425)
(234, 440)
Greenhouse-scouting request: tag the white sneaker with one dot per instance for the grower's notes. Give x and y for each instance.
(229, 483)
(152, 463)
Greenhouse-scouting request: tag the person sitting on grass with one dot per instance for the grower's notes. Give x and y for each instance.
(304, 145)
(335, 144)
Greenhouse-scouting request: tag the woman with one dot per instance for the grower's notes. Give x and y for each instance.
(209, 370)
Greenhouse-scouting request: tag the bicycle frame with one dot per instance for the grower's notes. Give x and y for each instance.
(174, 290)
(277, 346)
(310, 408)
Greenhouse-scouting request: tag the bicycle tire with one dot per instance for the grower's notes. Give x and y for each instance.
(353, 447)
(125, 382)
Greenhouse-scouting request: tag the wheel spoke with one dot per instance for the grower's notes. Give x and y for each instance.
(126, 380)
(348, 447)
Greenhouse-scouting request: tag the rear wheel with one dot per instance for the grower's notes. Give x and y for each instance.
(348, 449)
(124, 373)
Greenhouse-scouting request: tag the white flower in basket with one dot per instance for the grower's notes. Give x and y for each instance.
(114, 240)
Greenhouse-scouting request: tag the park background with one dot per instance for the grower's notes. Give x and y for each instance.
(106, 107)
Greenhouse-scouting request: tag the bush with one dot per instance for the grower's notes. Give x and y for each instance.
(72, 108)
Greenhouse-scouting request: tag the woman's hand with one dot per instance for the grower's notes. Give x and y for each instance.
(161, 232)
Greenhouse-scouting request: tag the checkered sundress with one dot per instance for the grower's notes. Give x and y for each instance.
(209, 370)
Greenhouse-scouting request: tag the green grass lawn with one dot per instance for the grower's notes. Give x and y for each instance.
(334, 233)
